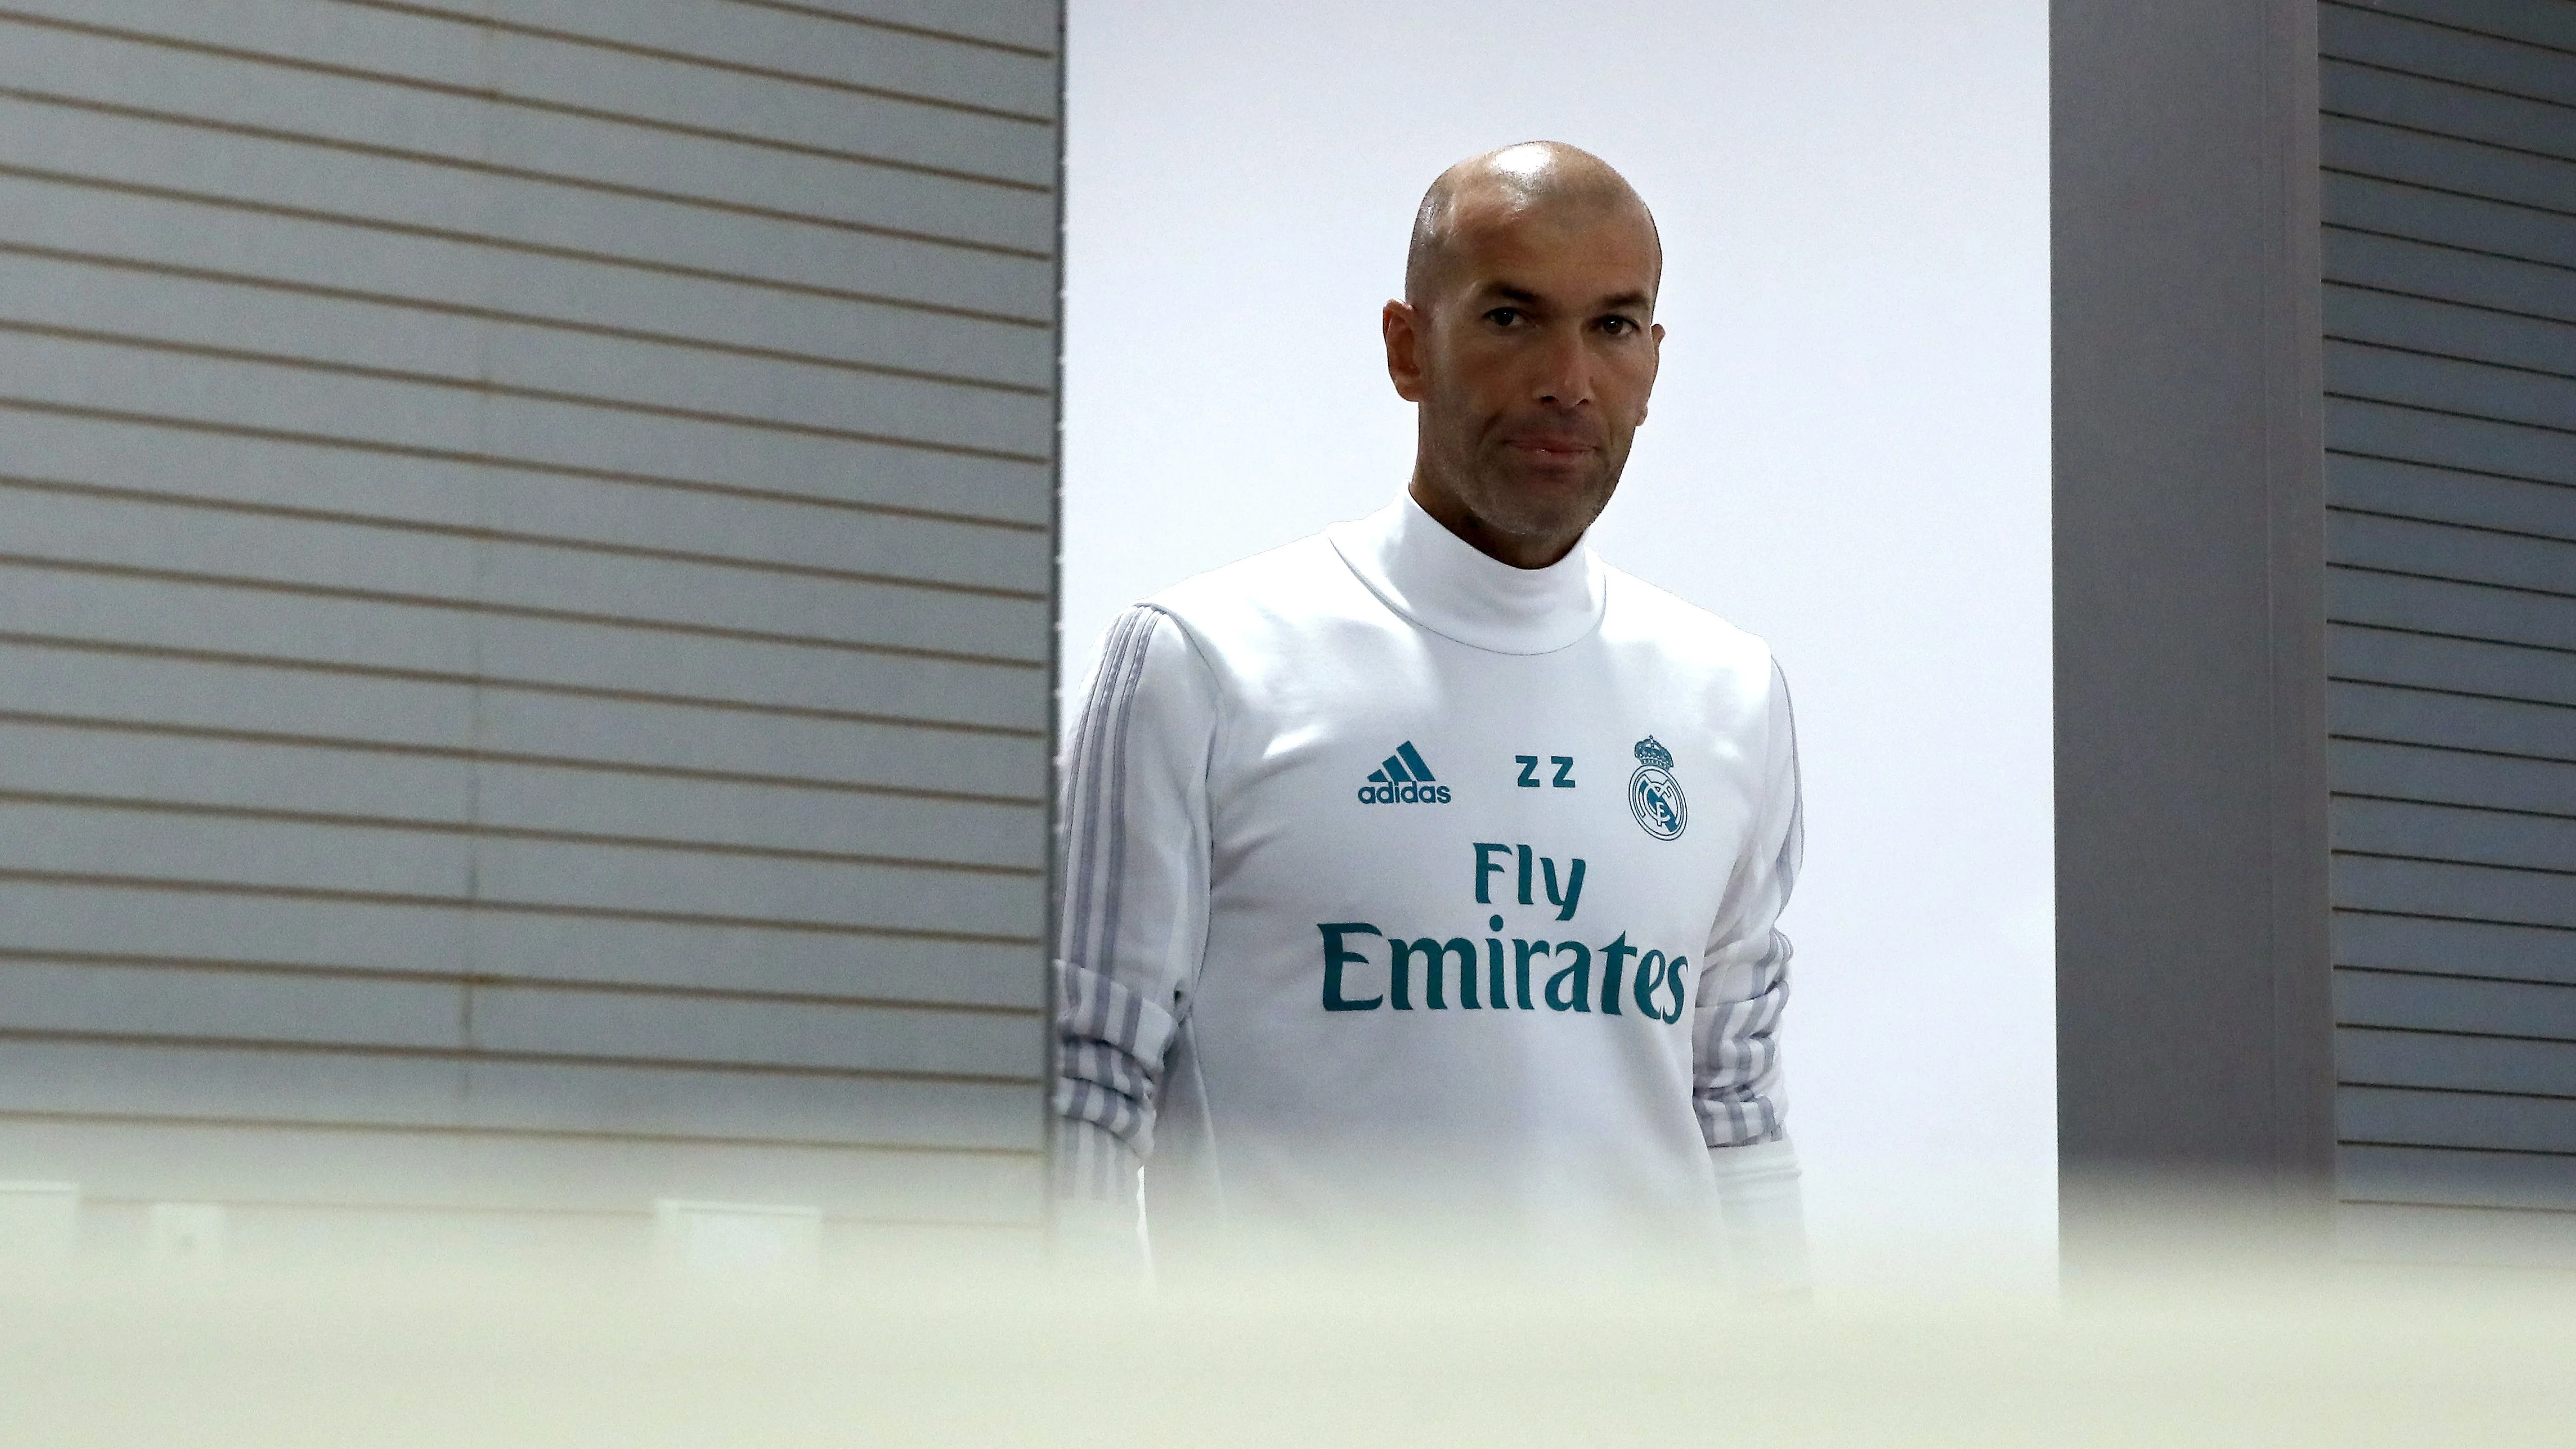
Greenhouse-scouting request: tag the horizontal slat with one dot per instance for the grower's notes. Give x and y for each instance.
(553, 727)
(778, 40)
(2452, 777)
(197, 161)
(205, 1082)
(2451, 832)
(2450, 1062)
(460, 645)
(292, 705)
(483, 354)
(2452, 110)
(478, 280)
(429, 411)
(147, 924)
(125, 844)
(2467, 1179)
(526, 797)
(1025, 24)
(468, 573)
(2450, 274)
(469, 130)
(2442, 440)
(459, 793)
(2518, 20)
(456, 52)
(2459, 948)
(2472, 611)
(2471, 168)
(467, 425)
(151, 1160)
(2454, 1237)
(2427, 213)
(2373, 34)
(2472, 555)
(2431, 717)
(2355, 315)
(214, 1005)
(2461, 892)
(2441, 1003)
(478, 501)
(340, 860)
(2501, 671)
(256, 1014)
(661, 882)
(653, 1027)
(2454, 1119)
(2466, 388)
(2444, 495)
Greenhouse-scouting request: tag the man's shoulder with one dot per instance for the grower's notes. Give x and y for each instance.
(1299, 580)
(1642, 615)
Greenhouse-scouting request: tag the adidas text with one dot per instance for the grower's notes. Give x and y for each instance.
(1405, 794)
(1403, 779)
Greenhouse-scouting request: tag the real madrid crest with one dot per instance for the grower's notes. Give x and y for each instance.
(1654, 795)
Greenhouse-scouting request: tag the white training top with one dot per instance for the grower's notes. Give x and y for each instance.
(1399, 878)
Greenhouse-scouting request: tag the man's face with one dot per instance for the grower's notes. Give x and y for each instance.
(1531, 363)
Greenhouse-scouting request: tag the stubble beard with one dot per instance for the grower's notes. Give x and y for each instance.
(1538, 508)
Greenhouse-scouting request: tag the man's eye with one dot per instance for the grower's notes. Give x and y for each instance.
(1504, 316)
(1618, 326)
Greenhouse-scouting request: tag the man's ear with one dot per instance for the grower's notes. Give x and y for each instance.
(1399, 323)
(1657, 332)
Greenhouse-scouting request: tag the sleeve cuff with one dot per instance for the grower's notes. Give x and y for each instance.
(1765, 1219)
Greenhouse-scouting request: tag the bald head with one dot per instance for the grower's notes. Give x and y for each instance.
(1546, 183)
(1528, 344)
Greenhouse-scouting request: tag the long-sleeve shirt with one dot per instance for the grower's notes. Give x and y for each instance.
(1398, 879)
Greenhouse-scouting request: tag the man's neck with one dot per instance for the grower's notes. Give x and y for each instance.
(1452, 513)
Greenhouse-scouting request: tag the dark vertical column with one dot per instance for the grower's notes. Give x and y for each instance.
(2193, 1013)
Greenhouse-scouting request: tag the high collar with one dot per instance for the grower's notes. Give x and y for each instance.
(1441, 582)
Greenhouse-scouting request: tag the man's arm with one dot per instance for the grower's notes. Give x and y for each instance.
(1134, 858)
(1735, 1051)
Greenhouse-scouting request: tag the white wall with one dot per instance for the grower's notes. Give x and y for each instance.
(1848, 453)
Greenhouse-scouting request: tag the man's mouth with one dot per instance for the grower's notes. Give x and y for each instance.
(1550, 447)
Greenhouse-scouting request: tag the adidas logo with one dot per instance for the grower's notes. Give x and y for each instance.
(1403, 780)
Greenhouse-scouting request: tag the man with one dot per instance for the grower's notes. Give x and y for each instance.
(1426, 870)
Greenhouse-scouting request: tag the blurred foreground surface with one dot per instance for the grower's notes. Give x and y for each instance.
(2175, 1347)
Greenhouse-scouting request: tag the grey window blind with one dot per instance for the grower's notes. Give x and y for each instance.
(2449, 152)
(526, 604)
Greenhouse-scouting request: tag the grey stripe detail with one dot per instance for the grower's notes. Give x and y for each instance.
(1107, 1086)
(1084, 778)
(1736, 1092)
(1092, 1165)
(1115, 896)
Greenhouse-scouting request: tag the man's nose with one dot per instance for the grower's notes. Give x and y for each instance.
(1565, 370)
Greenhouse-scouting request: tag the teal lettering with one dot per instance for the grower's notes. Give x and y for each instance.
(1673, 979)
(1522, 951)
(1483, 869)
(1494, 957)
(1335, 958)
(1646, 981)
(1573, 887)
(1610, 978)
(1525, 873)
(1613, 956)
(1571, 988)
(1432, 952)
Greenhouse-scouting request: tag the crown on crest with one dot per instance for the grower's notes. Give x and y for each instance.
(1651, 752)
